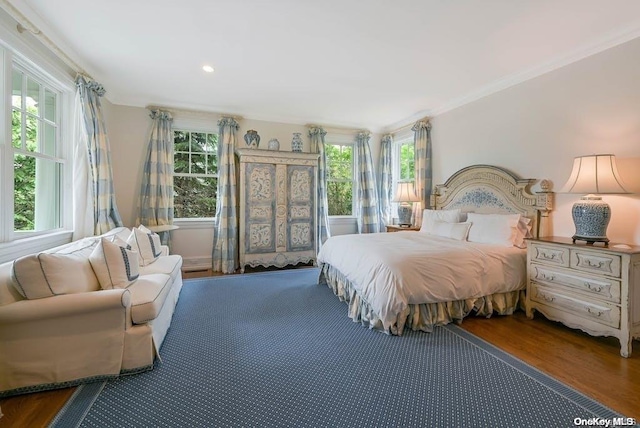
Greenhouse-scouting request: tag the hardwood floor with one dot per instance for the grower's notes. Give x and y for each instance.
(591, 365)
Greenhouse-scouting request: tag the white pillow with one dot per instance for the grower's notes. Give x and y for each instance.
(430, 216)
(457, 231)
(147, 245)
(45, 275)
(115, 265)
(523, 231)
(499, 229)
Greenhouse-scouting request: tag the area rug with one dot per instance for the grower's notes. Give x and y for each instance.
(276, 349)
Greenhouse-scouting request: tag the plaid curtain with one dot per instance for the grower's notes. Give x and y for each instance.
(106, 215)
(156, 194)
(317, 145)
(424, 173)
(385, 181)
(225, 237)
(368, 209)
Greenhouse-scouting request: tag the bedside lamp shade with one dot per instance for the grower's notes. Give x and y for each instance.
(595, 174)
(405, 193)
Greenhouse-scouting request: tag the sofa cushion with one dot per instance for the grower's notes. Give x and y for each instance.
(148, 294)
(114, 263)
(147, 245)
(169, 265)
(48, 274)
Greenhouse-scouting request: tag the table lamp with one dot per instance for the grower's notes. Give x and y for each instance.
(405, 193)
(593, 175)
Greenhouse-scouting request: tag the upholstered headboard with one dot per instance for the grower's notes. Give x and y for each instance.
(491, 189)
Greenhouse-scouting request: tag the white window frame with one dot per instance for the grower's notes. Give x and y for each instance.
(17, 243)
(194, 222)
(396, 168)
(345, 140)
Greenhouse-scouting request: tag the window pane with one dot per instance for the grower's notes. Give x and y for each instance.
(407, 162)
(36, 193)
(212, 143)
(49, 105)
(198, 162)
(198, 141)
(16, 129)
(181, 163)
(31, 134)
(33, 96)
(212, 164)
(49, 143)
(16, 93)
(194, 196)
(181, 141)
(340, 195)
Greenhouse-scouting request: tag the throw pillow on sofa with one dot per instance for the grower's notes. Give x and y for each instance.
(147, 244)
(49, 274)
(114, 263)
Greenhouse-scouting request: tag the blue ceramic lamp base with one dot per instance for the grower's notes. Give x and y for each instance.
(591, 217)
(405, 211)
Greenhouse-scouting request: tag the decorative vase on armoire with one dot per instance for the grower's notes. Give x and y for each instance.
(296, 143)
(252, 139)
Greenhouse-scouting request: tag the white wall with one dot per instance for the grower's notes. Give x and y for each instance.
(536, 128)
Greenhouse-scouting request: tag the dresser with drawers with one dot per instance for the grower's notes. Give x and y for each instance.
(592, 288)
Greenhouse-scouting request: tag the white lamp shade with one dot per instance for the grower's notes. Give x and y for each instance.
(594, 174)
(405, 192)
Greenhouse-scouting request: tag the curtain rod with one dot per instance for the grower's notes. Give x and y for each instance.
(173, 110)
(405, 127)
(24, 24)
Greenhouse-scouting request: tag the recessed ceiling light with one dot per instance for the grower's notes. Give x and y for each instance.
(208, 68)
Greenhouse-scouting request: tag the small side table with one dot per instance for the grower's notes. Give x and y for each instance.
(163, 231)
(398, 228)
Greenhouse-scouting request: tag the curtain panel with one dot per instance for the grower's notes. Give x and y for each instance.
(385, 180)
(225, 236)
(106, 215)
(423, 168)
(318, 146)
(156, 194)
(368, 208)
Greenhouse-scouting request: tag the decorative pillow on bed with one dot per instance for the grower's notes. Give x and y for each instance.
(499, 229)
(523, 231)
(147, 244)
(114, 263)
(431, 216)
(457, 231)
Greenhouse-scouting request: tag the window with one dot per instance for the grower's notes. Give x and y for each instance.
(195, 177)
(340, 179)
(403, 164)
(37, 156)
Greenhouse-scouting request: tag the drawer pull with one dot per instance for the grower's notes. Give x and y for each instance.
(598, 265)
(593, 311)
(548, 256)
(546, 277)
(593, 287)
(547, 298)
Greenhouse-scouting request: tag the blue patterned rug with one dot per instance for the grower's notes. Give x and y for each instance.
(276, 350)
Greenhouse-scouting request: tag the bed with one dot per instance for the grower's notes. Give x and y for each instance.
(417, 280)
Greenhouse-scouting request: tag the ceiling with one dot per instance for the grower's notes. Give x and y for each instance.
(369, 64)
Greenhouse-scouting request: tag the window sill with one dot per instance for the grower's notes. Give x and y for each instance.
(33, 244)
(195, 223)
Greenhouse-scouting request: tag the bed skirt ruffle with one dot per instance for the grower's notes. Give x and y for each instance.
(422, 317)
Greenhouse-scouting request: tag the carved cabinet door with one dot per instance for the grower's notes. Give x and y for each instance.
(301, 208)
(260, 200)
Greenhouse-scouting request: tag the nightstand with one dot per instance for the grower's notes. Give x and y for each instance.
(592, 288)
(398, 228)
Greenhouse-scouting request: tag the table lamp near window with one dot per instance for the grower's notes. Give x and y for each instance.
(405, 195)
(593, 175)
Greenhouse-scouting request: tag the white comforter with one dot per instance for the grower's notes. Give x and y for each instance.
(393, 270)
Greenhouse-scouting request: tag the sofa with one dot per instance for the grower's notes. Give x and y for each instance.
(61, 326)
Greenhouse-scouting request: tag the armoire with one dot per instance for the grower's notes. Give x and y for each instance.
(277, 207)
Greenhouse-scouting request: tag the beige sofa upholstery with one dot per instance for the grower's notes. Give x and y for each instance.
(68, 339)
